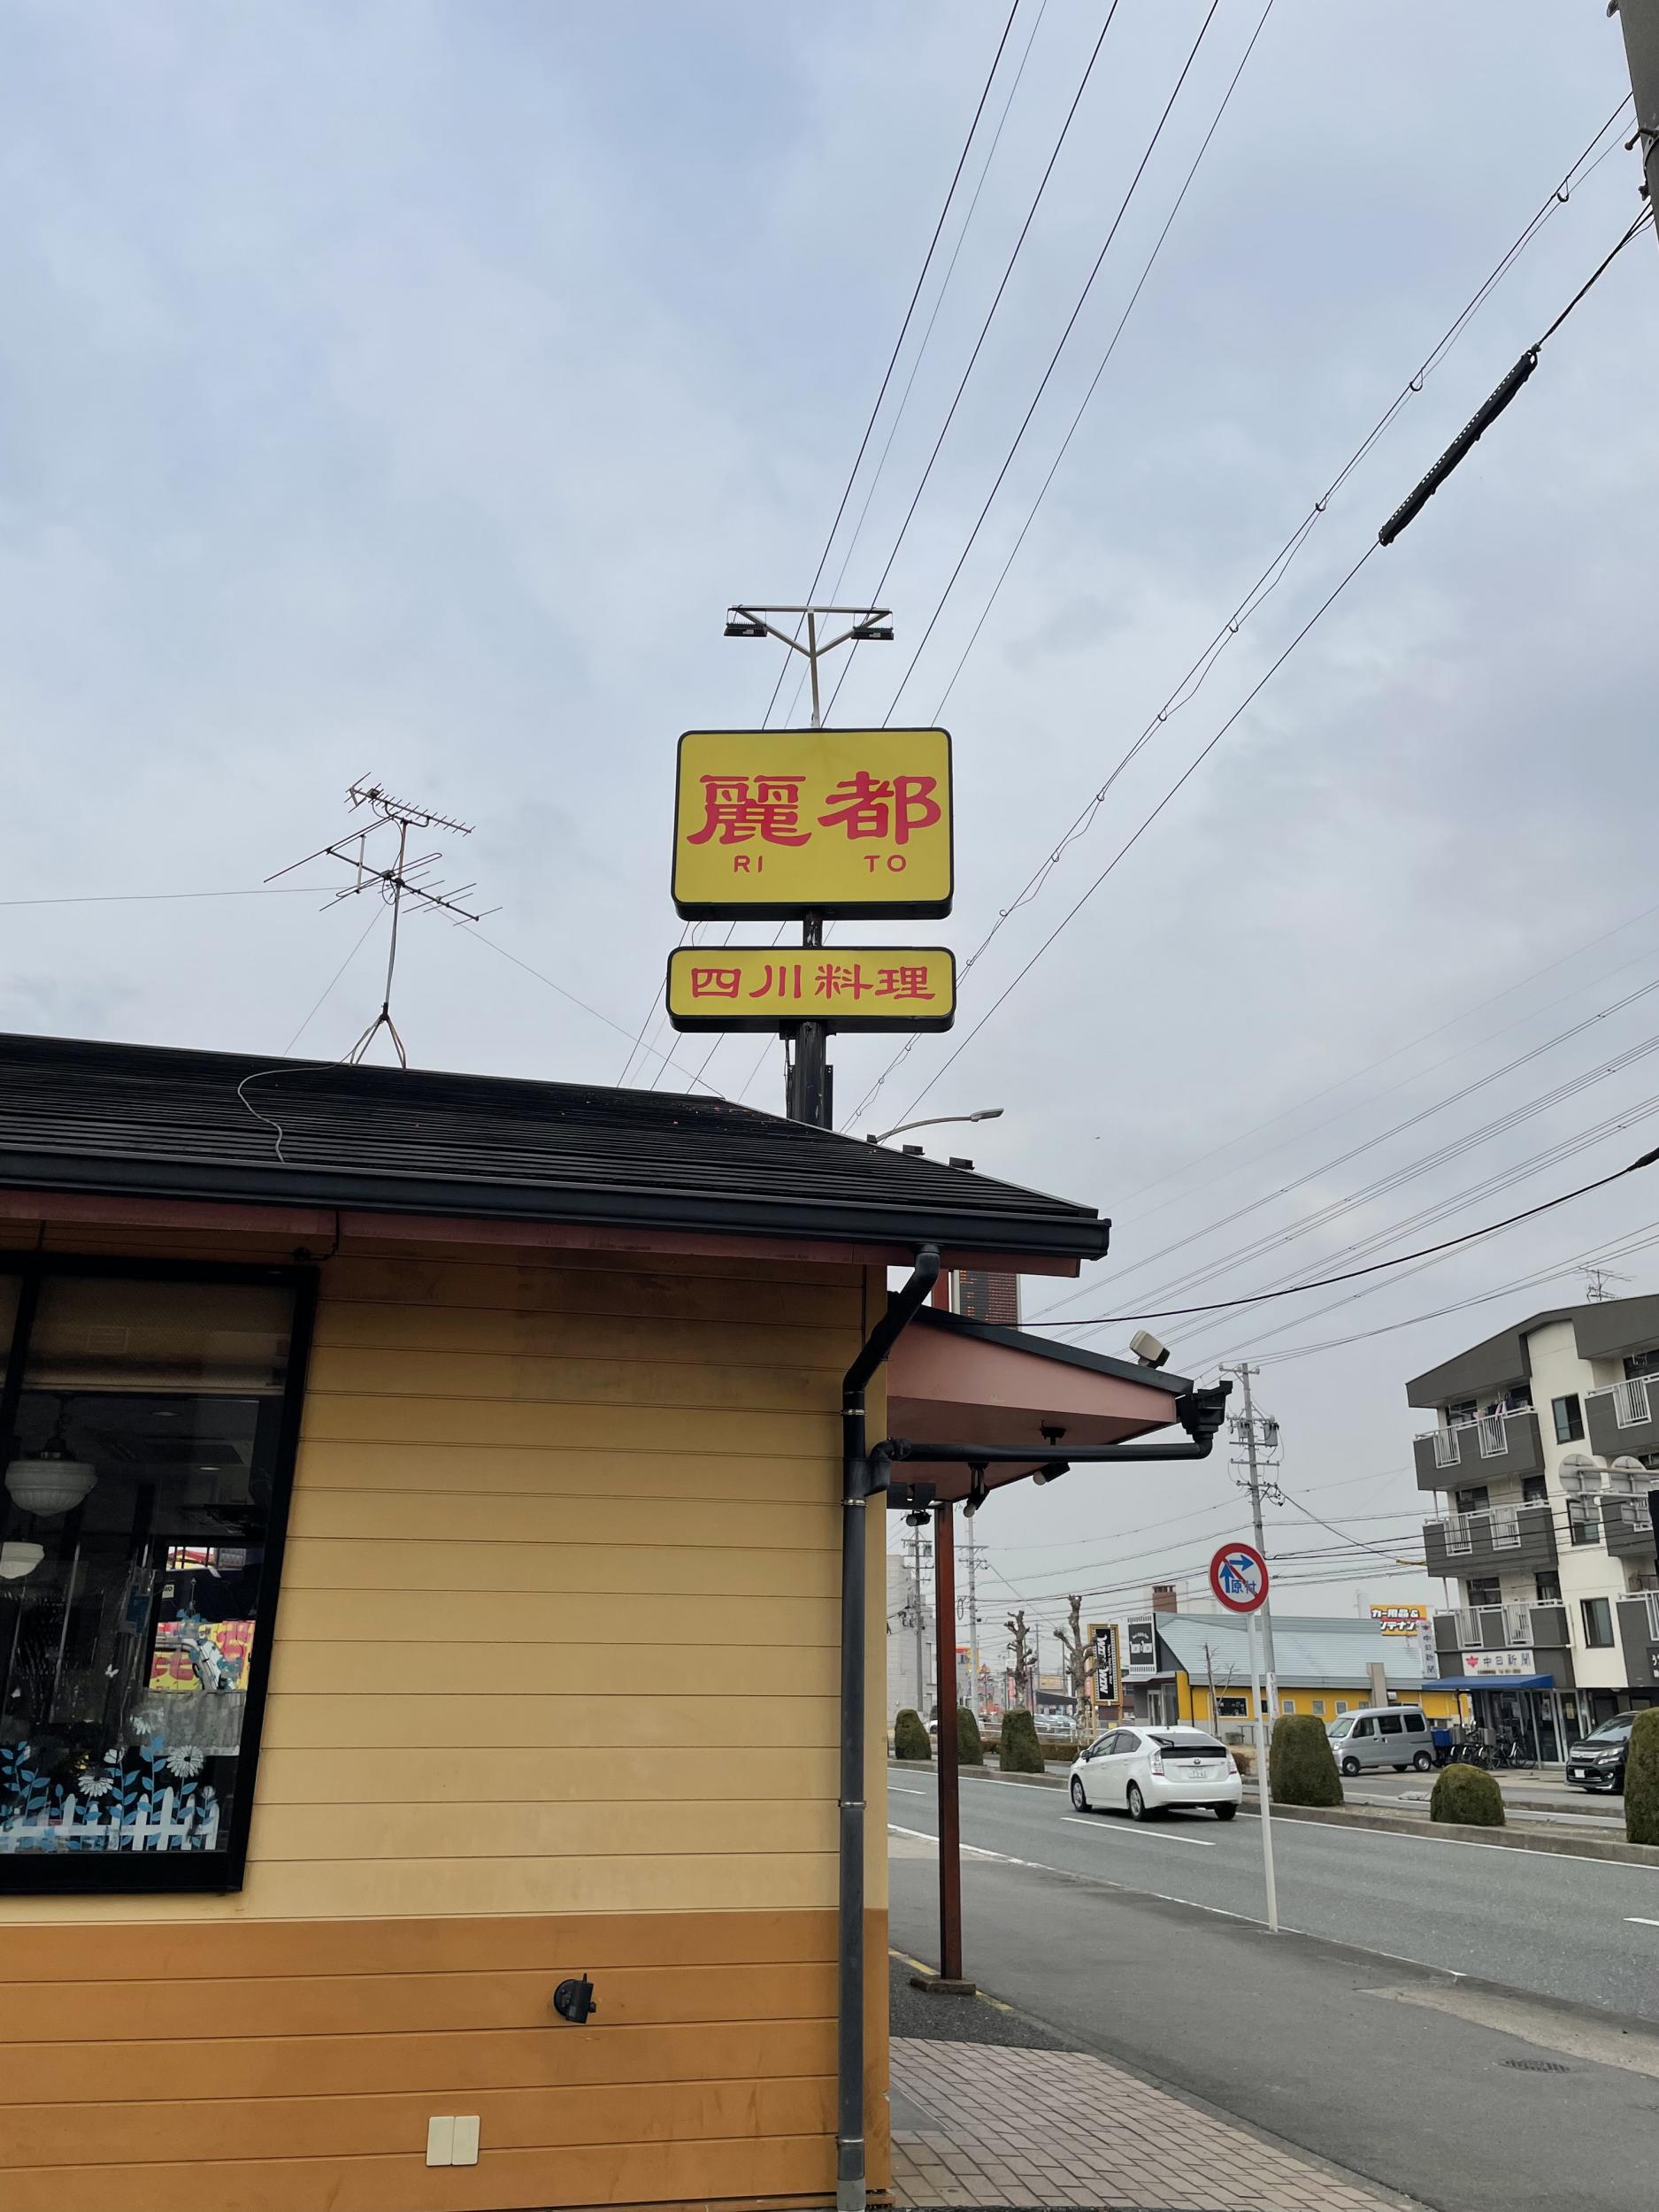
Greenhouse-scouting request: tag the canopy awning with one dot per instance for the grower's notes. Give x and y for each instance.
(950, 1376)
(1493, 1682)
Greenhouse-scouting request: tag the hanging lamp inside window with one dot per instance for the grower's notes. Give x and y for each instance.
(51, 1480)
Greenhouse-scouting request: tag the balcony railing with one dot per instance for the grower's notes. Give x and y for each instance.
(1481, 1435)
(1498, 1526)
(1649, 1600)
(1505, 1627)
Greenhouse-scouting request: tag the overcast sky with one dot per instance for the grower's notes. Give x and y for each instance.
(405, 389)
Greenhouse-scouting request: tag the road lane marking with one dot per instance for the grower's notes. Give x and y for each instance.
(898, 1789)
(1635, 1920)
(1142, 1835)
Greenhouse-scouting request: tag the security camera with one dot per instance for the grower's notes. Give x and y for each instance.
(1148, 1351)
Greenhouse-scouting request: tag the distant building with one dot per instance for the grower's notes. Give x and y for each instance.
(1546, 1438)
(1324, 1668)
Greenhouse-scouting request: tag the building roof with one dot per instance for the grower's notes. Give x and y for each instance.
(1309, 1653)
(1602, 1329)
(144, 1120)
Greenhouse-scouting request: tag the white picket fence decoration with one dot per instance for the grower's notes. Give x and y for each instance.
(155, 1823)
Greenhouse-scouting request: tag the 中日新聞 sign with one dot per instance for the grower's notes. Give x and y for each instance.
(845, 986)
(832, 822)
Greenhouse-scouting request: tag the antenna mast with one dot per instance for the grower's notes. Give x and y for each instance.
(403, 879)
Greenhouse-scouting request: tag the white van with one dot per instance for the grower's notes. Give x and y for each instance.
(1376, 1736)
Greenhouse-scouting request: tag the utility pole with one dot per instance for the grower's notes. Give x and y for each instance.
(972, 1551)
(1253, 1434)
(809, 1096)
(920, 1615)
(1639, 19)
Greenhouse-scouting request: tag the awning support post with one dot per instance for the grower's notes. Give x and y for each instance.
(859, 1478)
(949, 1746)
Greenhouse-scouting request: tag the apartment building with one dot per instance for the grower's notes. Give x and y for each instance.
(1546, 1440)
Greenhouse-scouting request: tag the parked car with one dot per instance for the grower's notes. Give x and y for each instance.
(1377, 1736)
(1596, 1761)
(1144, 1770)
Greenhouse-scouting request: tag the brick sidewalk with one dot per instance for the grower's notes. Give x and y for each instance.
(1060, 2128)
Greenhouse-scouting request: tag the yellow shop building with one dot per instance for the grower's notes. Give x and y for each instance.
(424, 1509)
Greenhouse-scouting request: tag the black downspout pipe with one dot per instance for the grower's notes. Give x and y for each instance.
(857, 1486)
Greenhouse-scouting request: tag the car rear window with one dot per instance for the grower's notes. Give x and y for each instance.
(1190, 1748)
(1391, 1723)
(1415, 1725)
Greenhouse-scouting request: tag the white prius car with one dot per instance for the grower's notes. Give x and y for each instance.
(1145, 1769)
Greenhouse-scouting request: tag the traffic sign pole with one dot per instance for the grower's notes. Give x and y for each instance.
(1238, 1577)
(1265, 1795)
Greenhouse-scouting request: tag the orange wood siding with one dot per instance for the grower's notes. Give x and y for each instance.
(554, 1689)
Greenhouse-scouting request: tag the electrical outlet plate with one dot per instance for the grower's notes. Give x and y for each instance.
(465, 2150)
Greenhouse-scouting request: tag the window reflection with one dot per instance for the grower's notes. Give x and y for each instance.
(136, 1508)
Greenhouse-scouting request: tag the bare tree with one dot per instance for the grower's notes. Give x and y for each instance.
(1079, 1665)
(1020, 1637)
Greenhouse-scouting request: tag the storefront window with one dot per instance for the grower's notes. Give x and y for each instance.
(146, 1470)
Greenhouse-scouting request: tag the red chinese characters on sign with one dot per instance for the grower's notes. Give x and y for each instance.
(739, 808)
(858, 987)
(868, 806)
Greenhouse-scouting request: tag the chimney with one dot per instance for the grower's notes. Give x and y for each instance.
(1164, 1599)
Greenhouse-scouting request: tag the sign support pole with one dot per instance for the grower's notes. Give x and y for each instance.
(809, 1085)
(1265, 1795)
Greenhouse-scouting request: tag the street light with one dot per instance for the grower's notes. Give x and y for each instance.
(984, 1113)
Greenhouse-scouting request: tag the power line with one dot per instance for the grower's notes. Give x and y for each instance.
(921, 351)
(1065, 443)
(1190, 683)
(1031, 214)
(1396, 1177)
(478, 937)
(1053, 361)
(374, 921)
(1505, 1179)
(898, 342)
(1130, 843)
(1455, 1022)
(145, 898)
(1322, 1282)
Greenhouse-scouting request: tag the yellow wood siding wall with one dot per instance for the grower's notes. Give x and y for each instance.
(557, 1639)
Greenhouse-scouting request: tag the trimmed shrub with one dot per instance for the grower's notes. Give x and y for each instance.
(970, 1750)
(1301, 1764)
(1641, 1780)
(1467, 1794)
(909, 1738)
(1020, 1752)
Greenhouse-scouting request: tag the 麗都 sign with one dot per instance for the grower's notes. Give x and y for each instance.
(845, 986)
(831, 822)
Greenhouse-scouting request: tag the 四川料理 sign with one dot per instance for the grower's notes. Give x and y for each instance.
(847, 986)
(831, 822)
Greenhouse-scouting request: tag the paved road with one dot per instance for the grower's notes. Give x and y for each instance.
(1464, 2097)
(1573, 1929)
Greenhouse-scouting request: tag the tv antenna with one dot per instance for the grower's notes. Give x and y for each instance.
(1596, 1280)
(404, 877)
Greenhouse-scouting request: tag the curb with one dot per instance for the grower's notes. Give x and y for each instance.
(1457, 1831)
(982, 1774)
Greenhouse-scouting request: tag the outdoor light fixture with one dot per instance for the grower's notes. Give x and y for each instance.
(49, 1481)
(18, 1559)
(872, 632)
(738, 624)
(934, 1121)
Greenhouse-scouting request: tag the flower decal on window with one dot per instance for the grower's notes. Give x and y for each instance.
(185, 1762)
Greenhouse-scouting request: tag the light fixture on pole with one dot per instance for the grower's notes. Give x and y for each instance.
(934, 1121)
(809, 1085)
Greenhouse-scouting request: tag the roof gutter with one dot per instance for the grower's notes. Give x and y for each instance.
(860, 1479)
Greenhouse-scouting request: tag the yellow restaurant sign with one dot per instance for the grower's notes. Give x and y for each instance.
(846, 987)
(784, 822)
